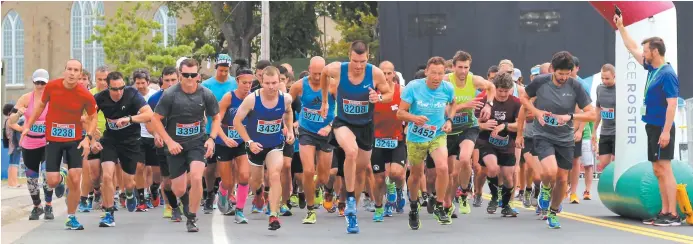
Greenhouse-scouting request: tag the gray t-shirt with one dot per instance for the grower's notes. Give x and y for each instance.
(185, 113)
(606, 99)
(529, 129)
(557, 100)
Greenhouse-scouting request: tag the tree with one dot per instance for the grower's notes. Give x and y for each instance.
(352, 31)
(128, 46)
(200, 32)
(294, 32)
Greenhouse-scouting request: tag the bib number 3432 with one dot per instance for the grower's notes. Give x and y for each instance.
(188, 129)
(63, 130)
(269, 127)
(427, 131)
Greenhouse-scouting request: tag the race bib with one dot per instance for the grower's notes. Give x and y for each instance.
(312, 115)
(460, 118)
(269, 127)
(427, 131)
(550, 120)
(608, 113)
(385, 143)
(499, 141)
(355, 107)
(113, 126)
(233, 134)
(188, 129)
(63, 130)
(38, 127)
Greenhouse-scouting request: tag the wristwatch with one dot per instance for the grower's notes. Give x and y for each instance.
(489, 103)
(247, 144)
(571, 116)
(380, 97)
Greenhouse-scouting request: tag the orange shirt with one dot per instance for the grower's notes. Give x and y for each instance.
(65, 111)
(385, 118)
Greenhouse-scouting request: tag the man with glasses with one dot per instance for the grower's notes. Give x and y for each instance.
(63, 126)
(124, 108)
(187, 146)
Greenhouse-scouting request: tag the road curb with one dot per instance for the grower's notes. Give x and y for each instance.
(14, 213)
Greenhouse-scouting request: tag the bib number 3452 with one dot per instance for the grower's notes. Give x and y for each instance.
(188, 129)
(63, 130)
(427, 131)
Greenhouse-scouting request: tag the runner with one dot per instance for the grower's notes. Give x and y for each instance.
(583, 144)
(389, 154)
(67, 102)
(353, 124)
(259, 67)
(34, 145)
(94, 158)
(465, 128)
(427, 125)
(266, 110)
(186, 145)
(556, 95)
(479, 176)
(315, 133)
(606, 105)
(169, 77)
(230, 148)
(148, 169)
(220, 85)
(288, 152)
(497, 142)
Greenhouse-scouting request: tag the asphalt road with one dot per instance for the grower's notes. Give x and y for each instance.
(587, 222)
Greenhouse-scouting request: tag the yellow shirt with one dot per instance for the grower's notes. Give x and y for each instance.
(101, 124)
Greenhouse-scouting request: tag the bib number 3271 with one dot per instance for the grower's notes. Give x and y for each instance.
(312, 115)
(269, 127)
(385, 143)
(63, 130)
(427, 131)
(188, 129)
(355, 107)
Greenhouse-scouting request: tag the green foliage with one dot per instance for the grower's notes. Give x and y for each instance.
(128, 42)
(293, 32)
(207, 38)
(352, 31)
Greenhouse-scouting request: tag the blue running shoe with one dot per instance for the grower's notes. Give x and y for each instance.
(400, 202)
(544, 198)
(391, 192)
(60, 188)
(552, 221)
(72, 224)
(107, 220)
(83, 207)
(350, 215)
(131, 202)
(388, 209)
(378, 215)
(148, 201)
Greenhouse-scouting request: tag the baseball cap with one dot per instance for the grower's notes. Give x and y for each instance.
(40, 75)
(535, 70)
(224, 60)
(180, 60)
(516, 74)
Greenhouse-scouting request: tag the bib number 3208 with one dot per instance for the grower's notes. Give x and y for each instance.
(427, 131)
(355, 107)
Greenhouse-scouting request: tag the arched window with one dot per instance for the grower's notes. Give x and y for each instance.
(13, 49)
(86, 15)
(168, 25)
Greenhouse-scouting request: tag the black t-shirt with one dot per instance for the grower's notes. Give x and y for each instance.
(129, 105)
(255, 86)
(503, 112)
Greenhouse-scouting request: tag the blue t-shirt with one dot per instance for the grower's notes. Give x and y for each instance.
(429, 103)
(663, 84)
(219, 89)
(587, 84)
(154, 99)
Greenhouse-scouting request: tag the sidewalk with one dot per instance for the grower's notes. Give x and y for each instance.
(16, 203)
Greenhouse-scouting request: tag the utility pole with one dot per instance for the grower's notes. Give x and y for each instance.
(265, 31)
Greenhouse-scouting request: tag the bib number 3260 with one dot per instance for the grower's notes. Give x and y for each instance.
(63, 130)
(427, 131)
(188, 129)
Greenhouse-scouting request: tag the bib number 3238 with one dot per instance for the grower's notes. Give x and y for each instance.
(427, 131)
(63, 130)
(188, 129)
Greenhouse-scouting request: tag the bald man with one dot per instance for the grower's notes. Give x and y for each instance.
(315, 132)
(544, 68)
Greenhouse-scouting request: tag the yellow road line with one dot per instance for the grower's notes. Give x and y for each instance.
(616, 225)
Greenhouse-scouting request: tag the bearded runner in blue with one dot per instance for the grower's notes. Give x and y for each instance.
(267, 110)
(356, 82)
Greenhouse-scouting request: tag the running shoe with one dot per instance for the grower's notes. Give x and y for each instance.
(72, 224)
(107, 220)
(60, 188)
(36, 213)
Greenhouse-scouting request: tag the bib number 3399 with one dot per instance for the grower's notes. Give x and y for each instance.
(269, 127)
(427, 131)
(188, 129)
(63, 130)
(355, 107)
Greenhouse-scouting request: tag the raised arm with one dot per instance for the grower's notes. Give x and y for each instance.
(381, 84)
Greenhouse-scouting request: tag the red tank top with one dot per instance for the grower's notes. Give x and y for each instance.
(385, 118)
(482, 95)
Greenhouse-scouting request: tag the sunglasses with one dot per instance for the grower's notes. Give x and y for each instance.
(189, 75)
(43, 83)
(116, 88)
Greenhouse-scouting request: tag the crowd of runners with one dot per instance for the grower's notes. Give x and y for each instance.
(340, 134)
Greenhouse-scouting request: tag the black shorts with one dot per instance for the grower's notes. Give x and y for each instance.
(259, 158)
(430, 164)
(192, 151)
(312, 139)
(503, 158)
(149, 150)
(364, 134)
(339, 156)
(225, 154)
(529, 147)
(381, 156)
(33, 158)
(296, 165)
(471, 134)
(127, 153)
(654, 151)
(93, 156)
(564, 154)
(607, 144)
(163, 164)
(288, 150)
(578, 149)
(55, 151)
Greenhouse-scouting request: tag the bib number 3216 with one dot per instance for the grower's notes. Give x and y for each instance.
(427, 131)
(63, 130)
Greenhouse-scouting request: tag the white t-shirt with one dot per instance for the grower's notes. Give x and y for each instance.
(143, 127)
